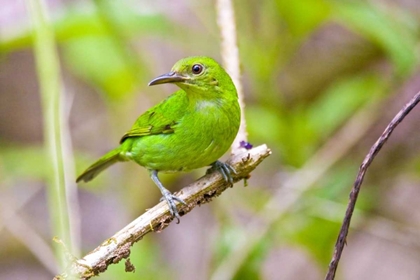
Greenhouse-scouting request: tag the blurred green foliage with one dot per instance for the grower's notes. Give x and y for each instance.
(394, 32)
(107, 46)
(30, 169)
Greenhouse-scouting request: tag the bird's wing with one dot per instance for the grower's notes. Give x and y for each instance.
(150, 123)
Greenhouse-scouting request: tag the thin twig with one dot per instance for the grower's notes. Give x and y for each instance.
(231, 61)
(341, 241)
(157, 218)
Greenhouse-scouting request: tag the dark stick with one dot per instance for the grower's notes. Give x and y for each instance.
(341, 240)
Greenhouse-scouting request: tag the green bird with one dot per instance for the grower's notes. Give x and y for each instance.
(191, 128)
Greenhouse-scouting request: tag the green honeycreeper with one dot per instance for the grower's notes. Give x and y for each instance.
(192, 128)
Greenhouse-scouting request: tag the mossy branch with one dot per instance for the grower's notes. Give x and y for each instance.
(156, 219)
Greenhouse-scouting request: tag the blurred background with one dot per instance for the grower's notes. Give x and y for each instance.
(321, 81)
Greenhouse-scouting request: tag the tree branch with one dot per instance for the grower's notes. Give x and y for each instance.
(157, 218)
(341, 240)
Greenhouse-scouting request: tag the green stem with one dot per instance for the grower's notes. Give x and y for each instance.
(48, 71)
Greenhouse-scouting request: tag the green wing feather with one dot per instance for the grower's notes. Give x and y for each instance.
(156, 124)
(160, 119)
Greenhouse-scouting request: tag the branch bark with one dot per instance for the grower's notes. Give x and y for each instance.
(374, 150)
(156, 219)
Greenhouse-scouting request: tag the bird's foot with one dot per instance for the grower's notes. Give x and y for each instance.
(170, 200)
(167, 195)
(226, 169)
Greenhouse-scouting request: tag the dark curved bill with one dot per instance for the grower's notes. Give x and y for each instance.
(171, 77)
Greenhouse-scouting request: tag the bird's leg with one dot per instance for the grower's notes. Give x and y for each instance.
(225, 169)
(167, 195)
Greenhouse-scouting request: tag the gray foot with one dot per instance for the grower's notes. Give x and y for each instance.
(224, 168)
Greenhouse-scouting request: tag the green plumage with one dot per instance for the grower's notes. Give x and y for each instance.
(190, 129)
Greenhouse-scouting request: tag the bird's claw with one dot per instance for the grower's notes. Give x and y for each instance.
(170, 200)
(225, 169)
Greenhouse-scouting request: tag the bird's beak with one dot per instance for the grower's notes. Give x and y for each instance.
(171, 77)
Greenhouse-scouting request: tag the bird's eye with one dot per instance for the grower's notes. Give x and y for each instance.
(197, 69)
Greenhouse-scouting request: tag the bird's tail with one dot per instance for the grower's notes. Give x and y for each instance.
(104, 162)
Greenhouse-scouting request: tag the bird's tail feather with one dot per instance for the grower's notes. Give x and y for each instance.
(104, 162)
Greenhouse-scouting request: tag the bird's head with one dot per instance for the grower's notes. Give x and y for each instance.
(198, 74)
